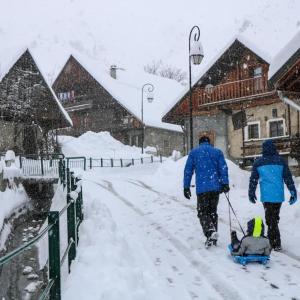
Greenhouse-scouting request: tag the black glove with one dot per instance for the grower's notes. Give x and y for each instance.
(187, 193)
(225, 188)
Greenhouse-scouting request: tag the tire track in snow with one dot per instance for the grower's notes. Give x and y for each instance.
(143, 185)
(225, 290)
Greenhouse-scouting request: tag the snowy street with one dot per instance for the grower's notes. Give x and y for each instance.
(141, 239)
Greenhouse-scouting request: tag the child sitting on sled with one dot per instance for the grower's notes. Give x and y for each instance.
(254, 242)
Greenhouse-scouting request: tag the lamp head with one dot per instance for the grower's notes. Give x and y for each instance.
(197, 53)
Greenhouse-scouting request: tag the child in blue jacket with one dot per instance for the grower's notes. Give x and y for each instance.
(271, 171)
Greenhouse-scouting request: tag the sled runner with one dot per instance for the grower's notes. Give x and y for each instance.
(244, 260)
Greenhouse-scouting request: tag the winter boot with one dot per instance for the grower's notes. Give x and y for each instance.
(212, 239)
(208, 243)
(235, 243)
(277, 248)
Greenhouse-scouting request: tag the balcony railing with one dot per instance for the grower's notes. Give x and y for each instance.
(232, 90)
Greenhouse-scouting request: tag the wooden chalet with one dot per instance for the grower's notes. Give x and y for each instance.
(89, 96)
(30, 112)
(235, 104)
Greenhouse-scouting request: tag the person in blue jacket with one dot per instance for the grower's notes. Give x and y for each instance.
(272, 172)
(211, 179)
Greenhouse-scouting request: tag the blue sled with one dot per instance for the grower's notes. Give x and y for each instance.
(244, 260)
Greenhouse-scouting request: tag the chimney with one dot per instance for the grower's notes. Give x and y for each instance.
(113, 71)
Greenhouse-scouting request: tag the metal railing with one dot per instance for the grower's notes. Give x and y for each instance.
(74, 219)
(232, 90)
(48, 165)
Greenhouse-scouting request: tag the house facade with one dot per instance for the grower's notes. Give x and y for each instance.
(236, 105)
(30, 113)
(99, 102)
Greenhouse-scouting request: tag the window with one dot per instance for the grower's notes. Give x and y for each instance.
(274, 113)
(66, 96)
(276, 128)
(258, 72)
(166, 144)
(252, 131)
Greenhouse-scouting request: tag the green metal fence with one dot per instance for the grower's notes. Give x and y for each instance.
(48, 165)
(73, 208)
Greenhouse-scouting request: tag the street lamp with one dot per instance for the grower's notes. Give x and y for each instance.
(195, 55)
(150, 98)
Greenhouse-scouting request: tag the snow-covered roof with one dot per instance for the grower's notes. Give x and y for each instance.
(295, 103)
(7, 64)
(208, 63)
(127, 90)
(284, 55)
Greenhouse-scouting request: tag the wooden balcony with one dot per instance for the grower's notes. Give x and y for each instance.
(232, 90)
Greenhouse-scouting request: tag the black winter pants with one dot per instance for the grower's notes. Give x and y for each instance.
(272, 211)
(207, 204)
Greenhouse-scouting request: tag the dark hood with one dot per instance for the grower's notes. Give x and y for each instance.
(269, 148)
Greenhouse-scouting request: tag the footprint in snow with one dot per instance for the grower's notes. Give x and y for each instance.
(170, 280)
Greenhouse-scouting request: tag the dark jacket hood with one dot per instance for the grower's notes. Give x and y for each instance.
(269, 148)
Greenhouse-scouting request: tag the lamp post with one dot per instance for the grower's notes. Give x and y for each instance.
(196, 55)
(150, 98)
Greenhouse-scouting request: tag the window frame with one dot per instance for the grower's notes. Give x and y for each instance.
(276, 120)
(258, 75)
(246, 132)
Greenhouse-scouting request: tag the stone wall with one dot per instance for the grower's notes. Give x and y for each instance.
(165, 141)
(214, 123)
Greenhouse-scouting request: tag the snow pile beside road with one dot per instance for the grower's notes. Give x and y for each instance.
(108, 265)
(98, 145)
(10, 201)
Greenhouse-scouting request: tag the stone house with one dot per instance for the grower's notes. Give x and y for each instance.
(30, 112)
(100, 101)
(236, 105)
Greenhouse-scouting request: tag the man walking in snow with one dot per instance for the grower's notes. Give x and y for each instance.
(211, 180)
(271, 171)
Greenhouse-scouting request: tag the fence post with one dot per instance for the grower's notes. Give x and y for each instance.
(54, 255)
(71, 215)
(112, 162)
(84, 164)
(68, 180)
(64, 172)
(71, 229)
(133, 161)
(101, 162)
(91, 163)
(42, 165)
(160, 158)
(121, 163)
(142, 161)
(152, 158)
(20, 159)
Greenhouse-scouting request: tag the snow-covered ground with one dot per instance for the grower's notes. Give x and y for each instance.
(99, 145)
(141, 239)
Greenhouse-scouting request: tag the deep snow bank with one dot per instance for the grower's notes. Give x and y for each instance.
(98, 145)
(10, 201)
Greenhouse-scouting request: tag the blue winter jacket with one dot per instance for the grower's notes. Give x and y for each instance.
(210, 167)
(271, 171)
